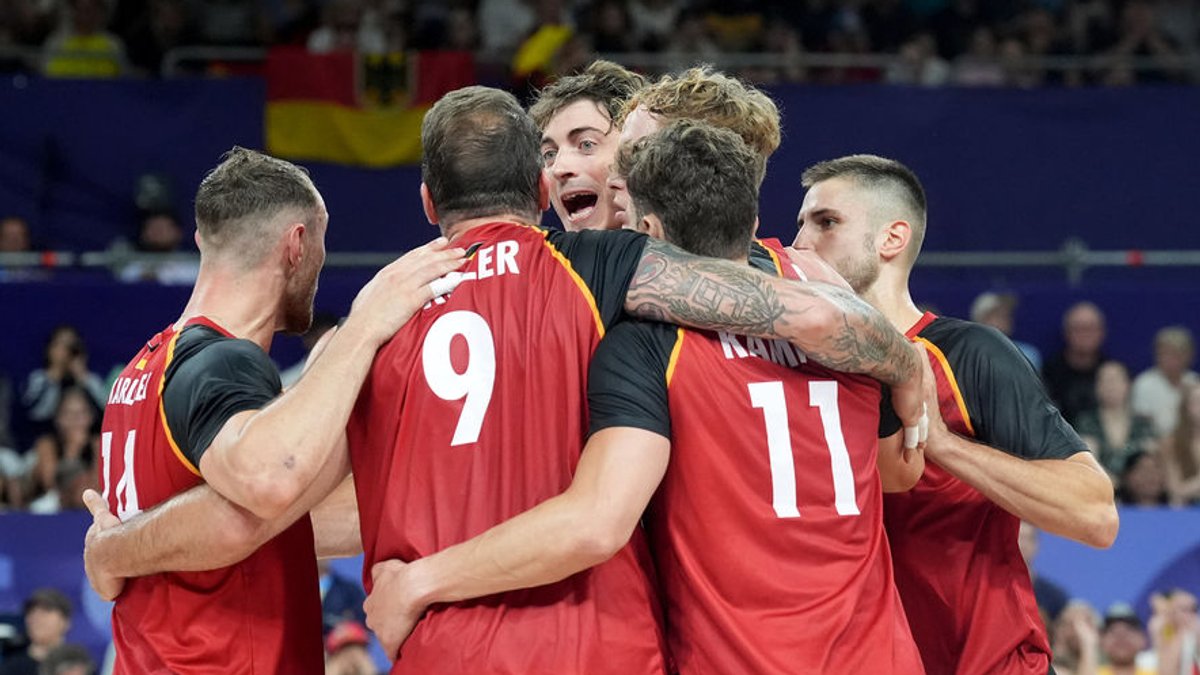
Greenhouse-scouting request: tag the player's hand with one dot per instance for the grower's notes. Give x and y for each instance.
(106, 585)
(391, 611)
(909, 402)
(935, 426)
(389, 300)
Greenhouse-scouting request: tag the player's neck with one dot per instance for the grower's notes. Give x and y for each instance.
(889, 294)
(245, 303)
(459, 228)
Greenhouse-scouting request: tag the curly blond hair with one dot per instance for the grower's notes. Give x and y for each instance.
(718, 99)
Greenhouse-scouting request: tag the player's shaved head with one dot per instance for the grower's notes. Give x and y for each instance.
(896, 192)
(700, 181)
(480, 156)
(604, 83)
(248, 195)
(722, 101)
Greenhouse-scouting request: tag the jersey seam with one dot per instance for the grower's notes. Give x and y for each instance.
(162, 409)
(953, 381)
(673, 361)
(579, 282)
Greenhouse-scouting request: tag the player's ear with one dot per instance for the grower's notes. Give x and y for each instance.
(294, 245)
(543, 190)
(652, 225)
(894, 239)
(427, 204)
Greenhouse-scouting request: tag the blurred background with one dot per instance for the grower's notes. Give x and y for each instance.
(1056, 139)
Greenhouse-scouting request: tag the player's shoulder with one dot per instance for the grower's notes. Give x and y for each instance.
(200, 346)
(967, 341)
(639, 334)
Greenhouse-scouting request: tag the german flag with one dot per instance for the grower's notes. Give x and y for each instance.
(347, 108)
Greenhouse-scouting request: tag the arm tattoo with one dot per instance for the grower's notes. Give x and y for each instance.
(832, 325)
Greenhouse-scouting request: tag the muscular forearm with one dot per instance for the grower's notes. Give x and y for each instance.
(831, 325)
(1070, 498)
(200, 530)
(543, 545)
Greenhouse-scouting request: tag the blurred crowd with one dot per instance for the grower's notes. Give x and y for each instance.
(933, 42)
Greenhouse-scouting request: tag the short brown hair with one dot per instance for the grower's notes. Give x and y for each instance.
(878, 174)
(709, 96)
(246, 188)
(480, 156)
(605, 83)
(699, 180)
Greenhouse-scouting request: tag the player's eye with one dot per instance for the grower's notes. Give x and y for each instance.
(548, 157)
(828, 222)
(588, 145)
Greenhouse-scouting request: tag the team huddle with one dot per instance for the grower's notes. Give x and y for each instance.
(651, 443)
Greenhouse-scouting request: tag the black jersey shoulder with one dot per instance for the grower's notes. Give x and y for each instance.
(209, 379)
(605, 260)
(627, 379)
(1008, 405)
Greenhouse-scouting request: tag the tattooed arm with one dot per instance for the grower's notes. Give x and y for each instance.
(832, 325)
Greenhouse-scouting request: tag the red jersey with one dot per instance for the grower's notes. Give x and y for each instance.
(261, 615)
(965, 587)
(767, 528)
(475, 412)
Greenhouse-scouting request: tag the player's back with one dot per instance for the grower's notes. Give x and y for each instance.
(767, 529)
(475, 412)
(258, 616)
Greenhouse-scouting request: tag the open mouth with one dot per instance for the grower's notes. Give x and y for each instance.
(579, 205)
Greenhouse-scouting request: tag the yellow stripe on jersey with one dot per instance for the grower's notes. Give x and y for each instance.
(675, 355)
(141, 365)
(958, 397)
(774, 256)
(162, 411)
(583, 287)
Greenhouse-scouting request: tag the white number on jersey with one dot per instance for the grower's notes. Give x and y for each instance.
(475, 383)
(823, 395)
(127, 496)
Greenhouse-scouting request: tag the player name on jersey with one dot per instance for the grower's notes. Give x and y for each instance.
(129, 390)
(780, 352)
(493, 261)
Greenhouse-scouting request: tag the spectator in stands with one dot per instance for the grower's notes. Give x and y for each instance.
(14, 235)
(47, 619)
(998, 310)
(66, 366)
(1051, 598)
(1121, 640)
(954, 25)
(1157, 391)
(783, 41)
(691, 45)
(343, 29)
(14, 465)
(71, 478)
(889, 23)
(161, 28)
(230, 22)
(653, 22)
(1142, 481)
(1175, 632)
(462, 34)
(920, 64)
(73, 440)
(1076, 640)
(1179, 20)
(341, 599)
(611, 28)
(1113, 431)
(25, 23)
(346, 651)
(68, 660)
(979, 66)
(82, 48)
(1071, 376)
(160, 232)
(321, 323)
(506, 23)
(1181, 451)
(1140, 36)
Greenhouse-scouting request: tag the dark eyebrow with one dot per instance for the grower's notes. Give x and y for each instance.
(826, 212)
(581, 130)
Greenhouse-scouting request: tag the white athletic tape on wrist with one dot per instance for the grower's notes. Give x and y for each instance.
(443, 285)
